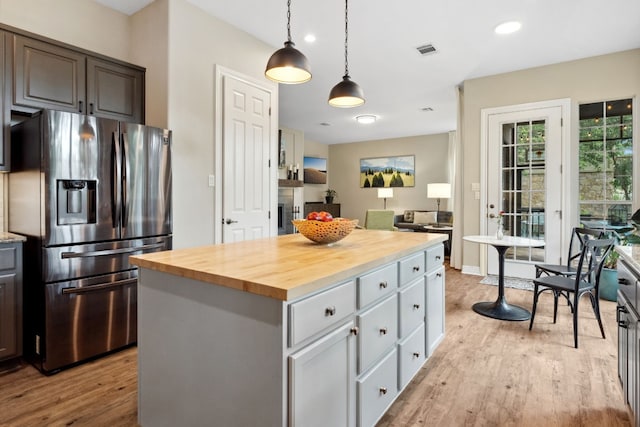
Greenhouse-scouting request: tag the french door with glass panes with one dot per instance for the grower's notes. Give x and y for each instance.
(524, 181)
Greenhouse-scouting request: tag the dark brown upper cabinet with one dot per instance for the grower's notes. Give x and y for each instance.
(49, 76)
(5, 121)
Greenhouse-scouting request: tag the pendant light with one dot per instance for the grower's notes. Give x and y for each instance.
(86, 131)
(288, 65)
(347, 93)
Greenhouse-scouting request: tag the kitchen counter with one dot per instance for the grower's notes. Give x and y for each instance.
(286, 267)
(283, 332)
(6, 237)
(631, 254)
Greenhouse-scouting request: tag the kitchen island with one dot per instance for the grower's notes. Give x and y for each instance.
(282, 331)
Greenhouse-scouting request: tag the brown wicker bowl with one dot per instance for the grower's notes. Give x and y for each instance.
(325, 232)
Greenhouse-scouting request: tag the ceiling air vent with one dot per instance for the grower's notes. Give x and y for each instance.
(426, 49)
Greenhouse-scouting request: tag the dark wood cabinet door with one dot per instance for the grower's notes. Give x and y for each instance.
(48, 76)
(5, 116)
(9, 345)
(115, 91)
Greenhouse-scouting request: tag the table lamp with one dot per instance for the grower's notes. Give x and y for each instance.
(439, 190)
(384, 193)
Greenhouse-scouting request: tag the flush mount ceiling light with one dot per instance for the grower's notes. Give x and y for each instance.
(508, 27)
(366, 119)
(288, 65)
(347, 93)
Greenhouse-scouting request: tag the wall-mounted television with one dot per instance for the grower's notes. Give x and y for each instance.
(315, 170)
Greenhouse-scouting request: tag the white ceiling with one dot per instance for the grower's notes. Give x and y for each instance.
(397, 81)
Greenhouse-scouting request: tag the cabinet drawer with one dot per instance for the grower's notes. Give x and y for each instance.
(313, 314)
(378, 332)
(435, 257)
(411, 268)
(377, 390)
(412, 302)
(410, 356)
(377, 284)
(8, 258)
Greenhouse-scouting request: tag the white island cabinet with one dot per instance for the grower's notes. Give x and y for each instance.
(284, 332)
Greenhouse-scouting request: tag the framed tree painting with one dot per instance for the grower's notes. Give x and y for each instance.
(397, 171)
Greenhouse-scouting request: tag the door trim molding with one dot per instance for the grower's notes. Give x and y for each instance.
(567, 172)
(220, 73)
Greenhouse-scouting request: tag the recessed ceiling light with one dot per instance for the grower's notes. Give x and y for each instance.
(508, 27)
(366, 119)
(309, 38)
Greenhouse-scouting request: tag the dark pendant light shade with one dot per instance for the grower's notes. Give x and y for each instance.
(346, 94)
(288, 65)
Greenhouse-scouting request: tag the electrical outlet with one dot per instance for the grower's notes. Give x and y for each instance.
(212, 180)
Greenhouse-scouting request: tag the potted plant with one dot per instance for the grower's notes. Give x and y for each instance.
(329, 195)
(609, 274)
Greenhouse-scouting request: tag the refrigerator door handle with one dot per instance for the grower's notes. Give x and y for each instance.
(67, 255)
(102, 287)
(115, 180)
(125, 174)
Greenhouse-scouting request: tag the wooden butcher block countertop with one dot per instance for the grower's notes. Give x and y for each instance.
(290, 266)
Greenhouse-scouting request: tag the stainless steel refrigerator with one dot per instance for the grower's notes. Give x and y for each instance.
(87, 193)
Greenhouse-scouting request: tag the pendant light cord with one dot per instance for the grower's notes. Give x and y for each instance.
(346, 37)
(289, 20)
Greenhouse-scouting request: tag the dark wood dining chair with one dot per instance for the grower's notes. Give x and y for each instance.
(586, 280)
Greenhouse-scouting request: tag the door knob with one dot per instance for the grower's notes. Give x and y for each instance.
(230, 221)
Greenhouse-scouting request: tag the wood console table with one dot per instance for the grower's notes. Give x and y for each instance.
(332, 208)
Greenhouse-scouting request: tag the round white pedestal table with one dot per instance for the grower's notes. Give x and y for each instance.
(500, 309)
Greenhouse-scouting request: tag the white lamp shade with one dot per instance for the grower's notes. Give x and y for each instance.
(440, 190)
(385, 193)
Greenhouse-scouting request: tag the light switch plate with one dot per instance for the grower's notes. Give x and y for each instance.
(212, 181)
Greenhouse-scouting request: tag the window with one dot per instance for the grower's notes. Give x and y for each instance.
(606, 161)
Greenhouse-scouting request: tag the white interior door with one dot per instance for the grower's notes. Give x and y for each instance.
(524, 180)
(246, 150)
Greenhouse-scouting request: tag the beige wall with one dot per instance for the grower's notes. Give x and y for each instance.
(599, 78)
(197, 42)
(431, 162)
(84, 24)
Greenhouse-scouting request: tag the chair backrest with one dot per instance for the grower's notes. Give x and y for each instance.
(379, 219)
(578, 237)
(592, 257)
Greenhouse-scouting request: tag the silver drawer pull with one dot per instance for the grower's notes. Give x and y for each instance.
(383, 285)
(439, 274)
(354, 330)
(383, 390)
(383, 331)
(329, 311)
(416, 306)
(437, 256)
(416, 355)
(416, 268)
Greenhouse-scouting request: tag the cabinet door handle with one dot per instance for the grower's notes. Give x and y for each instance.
(91, 108)
(416, 306)
(416, 268)
(355, 330)
(383, 285)
(383, 331)
(383, 390)
(329, 311)
(437, 256)
(439, 274)
(416, 355)
(80, 109)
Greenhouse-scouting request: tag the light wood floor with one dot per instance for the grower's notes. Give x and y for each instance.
(485, 373)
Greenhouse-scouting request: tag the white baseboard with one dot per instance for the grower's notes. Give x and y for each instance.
(471, 269)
